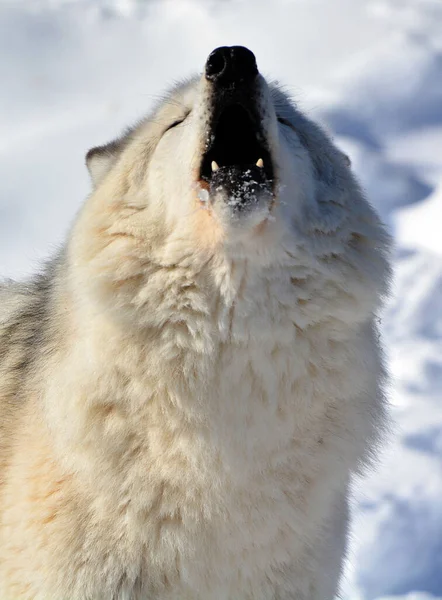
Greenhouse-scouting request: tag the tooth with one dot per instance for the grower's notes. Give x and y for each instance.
(260, 163)
(215, 166)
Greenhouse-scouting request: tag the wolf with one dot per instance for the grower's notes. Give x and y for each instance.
(190, 385)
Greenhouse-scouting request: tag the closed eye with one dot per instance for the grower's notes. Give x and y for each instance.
(177, 122)
(285, 122)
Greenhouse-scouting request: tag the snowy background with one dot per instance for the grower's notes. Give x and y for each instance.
(75, 72)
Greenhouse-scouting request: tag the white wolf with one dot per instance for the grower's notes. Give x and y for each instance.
(187, 389)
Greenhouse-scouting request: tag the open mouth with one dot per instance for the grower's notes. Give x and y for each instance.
(237, 158)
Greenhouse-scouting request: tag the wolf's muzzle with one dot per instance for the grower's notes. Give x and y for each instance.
(236, 156)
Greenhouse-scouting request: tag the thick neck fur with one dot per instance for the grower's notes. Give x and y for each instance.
(174, 345)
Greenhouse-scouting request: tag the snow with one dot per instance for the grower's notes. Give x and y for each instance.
(75, 72)
(418, 225)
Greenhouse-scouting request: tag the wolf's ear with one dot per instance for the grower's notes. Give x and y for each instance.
(99, 161)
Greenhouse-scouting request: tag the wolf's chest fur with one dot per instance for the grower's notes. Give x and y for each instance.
(208, 448)
(198, 457)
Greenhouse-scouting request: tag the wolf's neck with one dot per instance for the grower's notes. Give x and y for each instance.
(195, 376)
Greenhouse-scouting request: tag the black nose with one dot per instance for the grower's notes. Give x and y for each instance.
(230, 65)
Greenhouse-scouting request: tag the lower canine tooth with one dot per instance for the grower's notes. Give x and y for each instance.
(259, 163)
(214, 166)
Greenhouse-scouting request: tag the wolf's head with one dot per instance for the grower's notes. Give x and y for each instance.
(225, 168)
(223, 152)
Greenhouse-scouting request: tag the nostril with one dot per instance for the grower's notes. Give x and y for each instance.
(244, 61)
(216, 63)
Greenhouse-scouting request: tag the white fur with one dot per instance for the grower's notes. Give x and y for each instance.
(214, 379)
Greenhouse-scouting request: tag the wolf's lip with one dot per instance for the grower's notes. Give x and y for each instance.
(236, 144)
